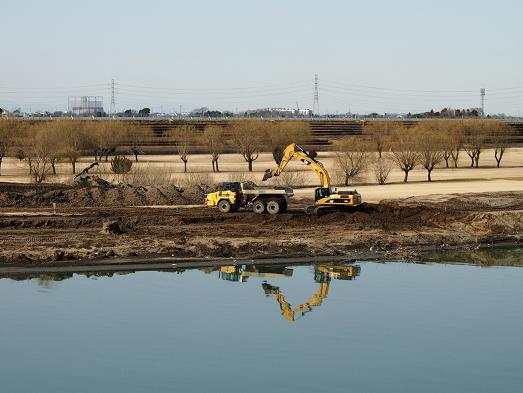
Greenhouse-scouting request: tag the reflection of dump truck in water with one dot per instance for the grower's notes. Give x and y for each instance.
(242, 273)
(323, 274)
(232, 196)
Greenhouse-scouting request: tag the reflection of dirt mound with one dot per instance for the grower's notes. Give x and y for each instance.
(91, 191)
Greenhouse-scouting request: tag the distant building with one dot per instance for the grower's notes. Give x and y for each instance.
(279, 112)
(86, 105)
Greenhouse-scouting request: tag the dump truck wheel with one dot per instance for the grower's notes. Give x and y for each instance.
(258, 206)
(224, 206)
(273, 206)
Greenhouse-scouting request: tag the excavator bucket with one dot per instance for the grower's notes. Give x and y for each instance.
(267, 175)
(270, 289)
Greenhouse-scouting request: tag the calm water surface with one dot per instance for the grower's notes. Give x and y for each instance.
(369, 327)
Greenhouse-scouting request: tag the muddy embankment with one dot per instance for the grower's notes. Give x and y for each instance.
(94, 222)
(96, 192)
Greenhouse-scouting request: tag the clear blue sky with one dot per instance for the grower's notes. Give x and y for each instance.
(244, 54)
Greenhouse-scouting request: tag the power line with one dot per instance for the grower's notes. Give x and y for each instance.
(393, 93)
(395, 89)
(265, 94)
(221, 89)
(66, 88)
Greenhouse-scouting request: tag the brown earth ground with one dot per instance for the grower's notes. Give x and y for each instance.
(462, 208)
(400, 228)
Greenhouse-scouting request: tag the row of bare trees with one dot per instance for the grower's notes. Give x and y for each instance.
(43, 144)
(427, 144)
(248, 138)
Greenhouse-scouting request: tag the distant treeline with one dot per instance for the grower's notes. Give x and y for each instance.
(41, 144)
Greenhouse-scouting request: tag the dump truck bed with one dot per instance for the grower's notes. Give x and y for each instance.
(232, 196)
(280, 191)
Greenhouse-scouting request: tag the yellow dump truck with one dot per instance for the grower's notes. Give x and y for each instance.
(232, 196)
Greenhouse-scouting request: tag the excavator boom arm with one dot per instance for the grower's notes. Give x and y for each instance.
(287, 311)
(294, 151)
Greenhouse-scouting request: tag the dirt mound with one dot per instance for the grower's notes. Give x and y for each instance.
(92, 191)
(91, 181)
(465, 202)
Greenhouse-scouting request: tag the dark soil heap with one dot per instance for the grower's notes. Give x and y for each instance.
(92, 191)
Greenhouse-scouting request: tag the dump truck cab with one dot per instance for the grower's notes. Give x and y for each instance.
(231, 196)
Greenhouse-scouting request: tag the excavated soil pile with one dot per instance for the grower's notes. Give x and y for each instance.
(92, 191)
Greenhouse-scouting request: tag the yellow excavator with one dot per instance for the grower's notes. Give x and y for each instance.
(325, 197)
(323, 275)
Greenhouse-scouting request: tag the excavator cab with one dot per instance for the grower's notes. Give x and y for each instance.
(321, 192)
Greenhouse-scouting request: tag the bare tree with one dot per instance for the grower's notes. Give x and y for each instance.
(446, 156)
(380, 133)
(214, 140)
(12, 135)
(382, 167)
(430, 146)
(72, 143)
(404, 149)
(352, 157)
(104, 137)
(283, 133)
(475, 136)
(6, 139)
(39, 151)
(455, 139)
(94, 139)
(185, 137)
(52, 134)
(136, 136)
(500, 134)
(249, 137)
(451, 139)
(436, 128)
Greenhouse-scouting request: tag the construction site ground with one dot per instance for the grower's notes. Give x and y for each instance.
(96, 220)
(397, 228)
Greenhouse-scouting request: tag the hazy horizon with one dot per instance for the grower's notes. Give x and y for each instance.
(233, 55)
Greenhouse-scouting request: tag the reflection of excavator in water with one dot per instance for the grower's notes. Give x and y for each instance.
(323, 275)
(325, 197)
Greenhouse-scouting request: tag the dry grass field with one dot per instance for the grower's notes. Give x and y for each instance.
(168, 169)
